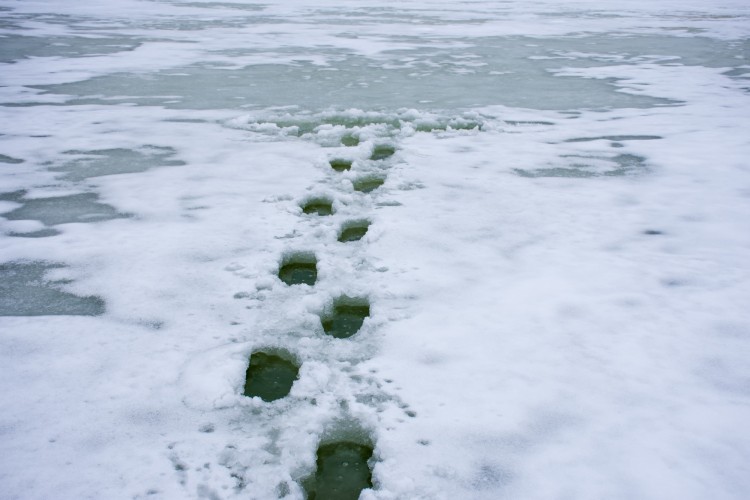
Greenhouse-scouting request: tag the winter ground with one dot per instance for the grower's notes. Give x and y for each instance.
(557, 265)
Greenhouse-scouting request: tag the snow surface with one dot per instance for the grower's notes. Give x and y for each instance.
(557, 264)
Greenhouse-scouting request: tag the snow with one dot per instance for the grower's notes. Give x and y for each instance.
(556, 264)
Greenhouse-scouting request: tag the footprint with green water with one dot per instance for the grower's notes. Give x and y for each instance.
(353, 231)
(368, 184)
(269, 377)
(299, 269)
(347, 317)
(340, 165)
(318, 206)
(350, 140)
(382, 151)
(342, 472)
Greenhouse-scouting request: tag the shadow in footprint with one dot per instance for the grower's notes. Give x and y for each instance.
(347, 317)
(350, 140)
(341, 165)
(342, 472)
(353, 231)
(318, 206)
(368, 184)
(269, 377)
(299, 269)
(382, 151)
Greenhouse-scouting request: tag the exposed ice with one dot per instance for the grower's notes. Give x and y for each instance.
(96, 163)
(83, 207)
(26, 292)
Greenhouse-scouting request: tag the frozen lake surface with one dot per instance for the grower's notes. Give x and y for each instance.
(500, 249)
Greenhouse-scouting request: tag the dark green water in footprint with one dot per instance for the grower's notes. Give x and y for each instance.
(368, 184)
(269, 377)
(350, 140)
(342, 472)
(353, 232)
(382, 152)
(319, 207)
(346, 320)
(341, 165)
(297, 273)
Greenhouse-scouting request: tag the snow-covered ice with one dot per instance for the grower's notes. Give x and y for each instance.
(536, 213)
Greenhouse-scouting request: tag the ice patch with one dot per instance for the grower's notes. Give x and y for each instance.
(25, 290)
(83, 207)
(115, 161)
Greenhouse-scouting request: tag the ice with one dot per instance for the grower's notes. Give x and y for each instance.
(15, 47)
(83, 207)
(9, 159)
(26, 292)
(357, 82)
(588, 166)
(115, 161)
(41, 233)
(501, 248)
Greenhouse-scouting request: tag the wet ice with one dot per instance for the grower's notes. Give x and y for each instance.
(24, 291)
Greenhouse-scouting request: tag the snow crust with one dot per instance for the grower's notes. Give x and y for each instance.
(556, 265)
